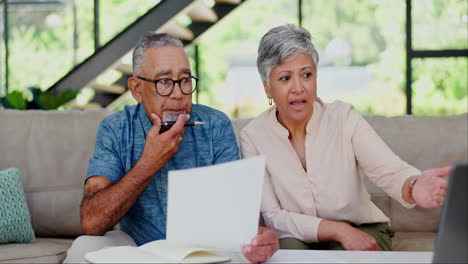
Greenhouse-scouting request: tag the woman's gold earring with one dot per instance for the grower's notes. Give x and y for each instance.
(270, 102)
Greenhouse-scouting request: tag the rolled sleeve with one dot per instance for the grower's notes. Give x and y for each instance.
(106, 160)
(378, 161)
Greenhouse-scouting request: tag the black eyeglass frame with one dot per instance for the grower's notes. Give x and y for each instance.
(173, 84)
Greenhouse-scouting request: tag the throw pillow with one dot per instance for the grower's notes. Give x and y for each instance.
(15, 222)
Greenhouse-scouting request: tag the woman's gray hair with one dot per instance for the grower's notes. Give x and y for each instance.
(278, 44)
(150, 40)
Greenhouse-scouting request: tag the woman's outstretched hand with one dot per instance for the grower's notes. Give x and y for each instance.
(431, 187)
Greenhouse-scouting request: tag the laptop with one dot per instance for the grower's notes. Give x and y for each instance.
(451, 243)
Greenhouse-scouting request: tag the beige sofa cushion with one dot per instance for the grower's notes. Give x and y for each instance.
(44, 250)
(422, 141)
(52, 150)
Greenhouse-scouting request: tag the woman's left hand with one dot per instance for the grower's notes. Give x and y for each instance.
(430, 188)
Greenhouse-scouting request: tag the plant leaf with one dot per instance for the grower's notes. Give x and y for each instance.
(14, 100)
(49, 101)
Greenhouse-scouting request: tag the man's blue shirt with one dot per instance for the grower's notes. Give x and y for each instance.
(120, 141)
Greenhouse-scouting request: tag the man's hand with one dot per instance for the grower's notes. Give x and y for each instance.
(159, 148)
(262, 246)
(355, 239)
(431, 187)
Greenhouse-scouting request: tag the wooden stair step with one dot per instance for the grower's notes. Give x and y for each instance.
(114, 88)
(177, 31)
(125, 69)
(231, 2)
(199, 12)
(88, 106)
(127, 96)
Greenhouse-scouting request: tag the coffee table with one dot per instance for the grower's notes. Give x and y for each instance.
(341, 256)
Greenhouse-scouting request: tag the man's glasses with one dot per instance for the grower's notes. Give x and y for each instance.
(165, 86)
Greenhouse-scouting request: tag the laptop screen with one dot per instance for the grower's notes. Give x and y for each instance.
(451, 243)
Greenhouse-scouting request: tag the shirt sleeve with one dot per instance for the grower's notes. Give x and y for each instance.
(287, 224)
(106, 160)
(378, 161)
(225, 143)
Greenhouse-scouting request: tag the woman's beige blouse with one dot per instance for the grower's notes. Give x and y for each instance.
(338, 143)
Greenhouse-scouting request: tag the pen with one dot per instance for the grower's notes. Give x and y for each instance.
(188, 123)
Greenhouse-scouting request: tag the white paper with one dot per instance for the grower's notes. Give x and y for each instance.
(216, 206)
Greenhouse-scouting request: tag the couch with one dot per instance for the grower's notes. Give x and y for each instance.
(52, 149)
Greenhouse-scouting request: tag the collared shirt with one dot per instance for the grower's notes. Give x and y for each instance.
(338, 143)
(119, 145)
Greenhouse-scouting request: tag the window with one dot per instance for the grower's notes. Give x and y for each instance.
(440, 86)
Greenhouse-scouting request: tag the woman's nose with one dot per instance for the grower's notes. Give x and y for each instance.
(297, 85)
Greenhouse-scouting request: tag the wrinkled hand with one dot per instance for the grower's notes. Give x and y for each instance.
(431, 187)
(262, 246)
(355, 239)
(159, 148)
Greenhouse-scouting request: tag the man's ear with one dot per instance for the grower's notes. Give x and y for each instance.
(267, 90)
(135, 88)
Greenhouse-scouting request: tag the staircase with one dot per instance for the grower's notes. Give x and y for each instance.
(161, 18)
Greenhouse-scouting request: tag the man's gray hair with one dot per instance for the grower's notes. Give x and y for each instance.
(150, 40)
(278, 44)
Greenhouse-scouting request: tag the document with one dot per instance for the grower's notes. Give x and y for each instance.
(212, 212)
(216, 206)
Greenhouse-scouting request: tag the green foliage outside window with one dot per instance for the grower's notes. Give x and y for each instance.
(440, 86)
(41, 38)
(41, 52)
(40, 99)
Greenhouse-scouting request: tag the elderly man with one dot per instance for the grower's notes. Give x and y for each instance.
(127, 176)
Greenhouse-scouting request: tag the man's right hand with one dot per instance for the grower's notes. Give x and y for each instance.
(97, 214)
(159, 148)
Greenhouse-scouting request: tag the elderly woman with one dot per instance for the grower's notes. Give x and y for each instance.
(313, 194)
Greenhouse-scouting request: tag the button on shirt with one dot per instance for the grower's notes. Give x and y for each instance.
(120, 141)
(338, 143)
